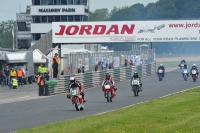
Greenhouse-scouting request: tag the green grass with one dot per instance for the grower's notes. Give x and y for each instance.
(179, 113)
(174, 63)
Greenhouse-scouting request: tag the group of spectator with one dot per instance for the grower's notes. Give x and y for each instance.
(7, 75)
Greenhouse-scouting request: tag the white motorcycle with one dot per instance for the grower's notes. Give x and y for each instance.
(135, 85)
(185, 74)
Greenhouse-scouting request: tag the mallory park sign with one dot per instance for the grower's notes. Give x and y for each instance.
(58, 10)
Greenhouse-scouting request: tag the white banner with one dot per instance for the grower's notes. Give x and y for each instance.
(126, 31)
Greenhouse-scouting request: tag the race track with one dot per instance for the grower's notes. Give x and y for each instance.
(24, 114)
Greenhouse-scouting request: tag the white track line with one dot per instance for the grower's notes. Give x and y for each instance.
(146, 101)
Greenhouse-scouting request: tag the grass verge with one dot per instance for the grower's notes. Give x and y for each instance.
(175, 63)
(178, 113)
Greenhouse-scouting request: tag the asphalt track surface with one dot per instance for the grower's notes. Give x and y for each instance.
(24, 114)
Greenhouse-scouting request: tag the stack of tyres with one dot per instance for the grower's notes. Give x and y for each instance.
(49, 87)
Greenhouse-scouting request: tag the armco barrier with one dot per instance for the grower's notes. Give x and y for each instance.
(92, 79)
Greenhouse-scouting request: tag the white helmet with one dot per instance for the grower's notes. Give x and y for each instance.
(72, 79)
(194, 65)
(161, 65)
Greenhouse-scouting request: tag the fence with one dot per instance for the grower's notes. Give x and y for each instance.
(105, 60)
(92, 79)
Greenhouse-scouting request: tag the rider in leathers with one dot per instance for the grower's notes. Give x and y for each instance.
(183, 61)
(75, 83)
(135, 75)
(108, 77)
(162, 68)
(194, 67)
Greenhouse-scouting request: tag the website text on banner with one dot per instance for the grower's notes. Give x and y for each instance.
(126, 31)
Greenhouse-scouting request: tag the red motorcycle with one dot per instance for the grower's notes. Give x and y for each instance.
(194, 75)
(109, 91)
(77, 99)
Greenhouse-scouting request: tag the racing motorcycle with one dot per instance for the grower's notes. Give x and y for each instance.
(135, 85)
(194, 75)
(108, 91)
(185, 74)
(160, 74)
(76, 98)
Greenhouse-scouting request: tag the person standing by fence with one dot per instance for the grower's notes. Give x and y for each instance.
(55, 65)
(41, 86)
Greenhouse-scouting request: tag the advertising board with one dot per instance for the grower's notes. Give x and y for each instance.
(126, 31)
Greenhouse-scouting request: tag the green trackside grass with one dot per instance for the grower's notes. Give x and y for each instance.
(178, 113)
(175, 63)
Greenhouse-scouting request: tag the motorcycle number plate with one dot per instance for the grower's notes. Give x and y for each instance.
(74, 93)
(135, 82)
(193, 71)
(160, 70)
(185, 71)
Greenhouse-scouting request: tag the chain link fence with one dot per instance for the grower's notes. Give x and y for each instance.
(87, 62)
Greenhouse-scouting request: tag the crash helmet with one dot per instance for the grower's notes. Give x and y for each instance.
(161, 65)
(72, 79)
(135, 74)
(194, 65)
(107, 76)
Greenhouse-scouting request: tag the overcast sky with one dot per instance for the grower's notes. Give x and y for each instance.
(9, 8)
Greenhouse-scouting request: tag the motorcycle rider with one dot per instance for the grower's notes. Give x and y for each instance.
(75, 83)
(162, 68)
(194, 67)
(135, 75)
(183, 61)
(109, 78)
(185, 67)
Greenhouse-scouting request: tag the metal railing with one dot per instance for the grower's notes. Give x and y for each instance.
(92, 79)
(105, 60)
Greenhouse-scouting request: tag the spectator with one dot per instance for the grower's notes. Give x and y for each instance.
(3, 77)
(55, 65)
(96, 68)
(20, 74)
(131, 63)
(7, 73)
(79, 70)
(40, 68)
(83, 69)
(13, 74)
(125, 63)
(41, 86)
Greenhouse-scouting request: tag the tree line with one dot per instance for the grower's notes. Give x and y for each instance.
(6, 39)
(161, 10)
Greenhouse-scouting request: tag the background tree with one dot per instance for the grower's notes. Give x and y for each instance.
(6, 39)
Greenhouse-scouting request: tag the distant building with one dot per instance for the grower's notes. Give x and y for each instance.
(38, 18)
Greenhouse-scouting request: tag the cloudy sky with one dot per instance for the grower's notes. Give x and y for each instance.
(9, 8)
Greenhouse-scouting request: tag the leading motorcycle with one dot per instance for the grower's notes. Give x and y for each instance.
(160, 74)
(135, 85)
(76, 98)
(194, 75)
(108, 90)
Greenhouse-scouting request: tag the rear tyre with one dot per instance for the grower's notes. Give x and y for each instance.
(194, 80)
